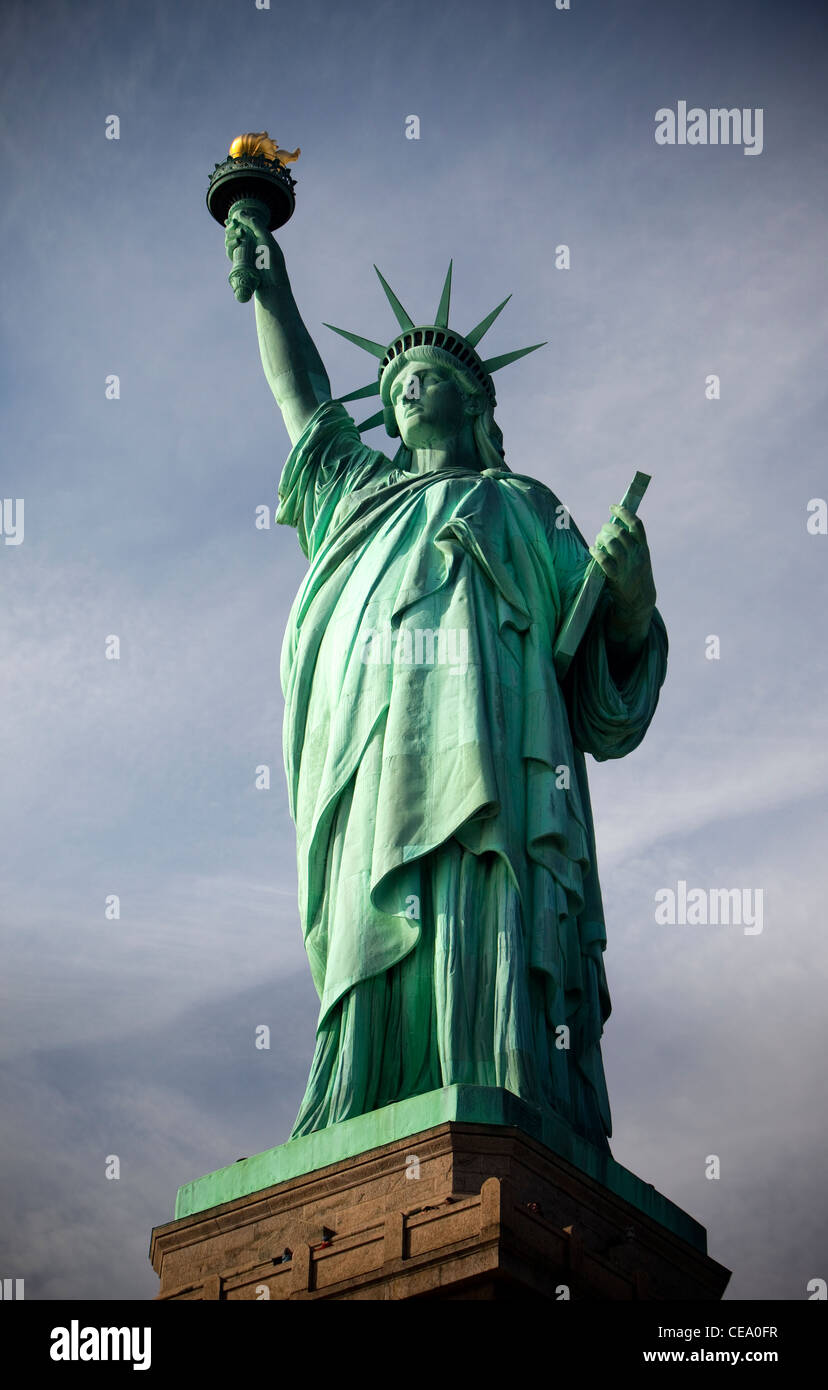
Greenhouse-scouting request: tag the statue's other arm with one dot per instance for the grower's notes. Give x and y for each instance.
(292, 365)
(622, 552)
(613, 682)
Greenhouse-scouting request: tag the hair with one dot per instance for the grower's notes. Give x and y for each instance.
(488, 437)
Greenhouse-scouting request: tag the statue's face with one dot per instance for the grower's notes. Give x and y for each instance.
(428, 405)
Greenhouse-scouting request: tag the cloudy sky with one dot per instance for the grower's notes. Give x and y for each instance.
(136, 777)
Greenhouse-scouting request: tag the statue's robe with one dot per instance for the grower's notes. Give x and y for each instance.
(448, 887)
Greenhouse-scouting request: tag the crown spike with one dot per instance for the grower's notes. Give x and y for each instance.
(403, 319)
(485, 324)
(441, 317)
(494, 364)
(372, 389)
(367, 344)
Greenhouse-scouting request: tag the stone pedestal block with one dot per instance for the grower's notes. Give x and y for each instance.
(460, 1210)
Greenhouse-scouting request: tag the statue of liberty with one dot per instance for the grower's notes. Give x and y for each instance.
(448, 884)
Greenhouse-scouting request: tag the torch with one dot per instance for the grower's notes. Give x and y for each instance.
(253, 179)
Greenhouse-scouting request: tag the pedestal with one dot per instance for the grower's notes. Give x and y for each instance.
(466, 1209)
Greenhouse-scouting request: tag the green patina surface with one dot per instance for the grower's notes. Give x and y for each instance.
(435, 758)
(465, 1104)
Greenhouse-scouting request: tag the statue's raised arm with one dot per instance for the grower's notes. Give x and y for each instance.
(291, 362)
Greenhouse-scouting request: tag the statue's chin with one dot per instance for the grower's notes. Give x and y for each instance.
(416, 436)
(412, 439)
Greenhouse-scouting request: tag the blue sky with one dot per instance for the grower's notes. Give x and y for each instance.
(135, 777)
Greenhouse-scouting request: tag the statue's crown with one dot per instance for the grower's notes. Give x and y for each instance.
(460, 347)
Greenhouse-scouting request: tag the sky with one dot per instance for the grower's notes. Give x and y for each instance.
(135, 1037)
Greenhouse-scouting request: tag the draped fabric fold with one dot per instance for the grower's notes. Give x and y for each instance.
(448, 886)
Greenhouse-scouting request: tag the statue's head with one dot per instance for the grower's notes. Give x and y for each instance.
(434, 400)
(432, 383)
(431, 402)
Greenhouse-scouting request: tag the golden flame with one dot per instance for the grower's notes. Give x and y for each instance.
(259, 142)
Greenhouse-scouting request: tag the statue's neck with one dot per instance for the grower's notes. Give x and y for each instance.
(459, 451)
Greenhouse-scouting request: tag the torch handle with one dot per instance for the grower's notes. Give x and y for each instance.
(244, 277)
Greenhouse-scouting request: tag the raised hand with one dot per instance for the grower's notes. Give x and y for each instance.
(263, 252)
